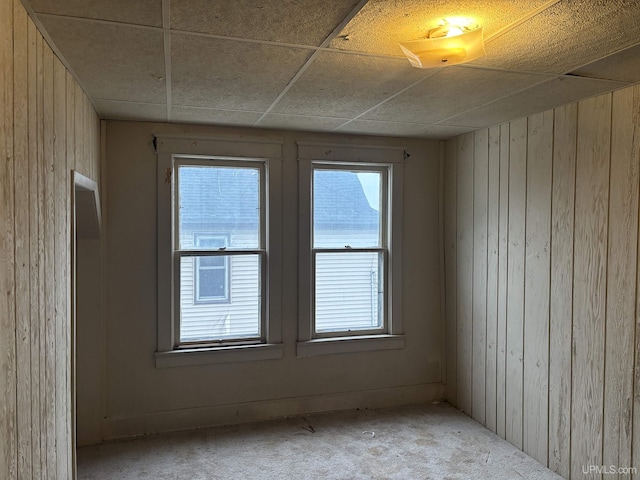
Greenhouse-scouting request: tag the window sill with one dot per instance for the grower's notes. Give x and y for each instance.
(215, 355)
(335, 345)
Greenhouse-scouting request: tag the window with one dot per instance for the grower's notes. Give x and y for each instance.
(220, 197)
(211, 281)
(218, 269)
(350, 249)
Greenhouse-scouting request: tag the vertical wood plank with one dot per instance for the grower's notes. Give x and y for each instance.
(503, 249)
(451, 162)
(80, 161)
(537, 286)
(8, 446)
(70, 335)
(635, 333)
(61, 250)
(479, 318)
(515, 284)
(42, 324)
(33, 248)
(589, 294)
(49, 257)
(464, 270)
(561, 298)
(492, 276)
(21, 243)
(621, 278)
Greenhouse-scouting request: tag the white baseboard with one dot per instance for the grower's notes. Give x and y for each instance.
(193, 418)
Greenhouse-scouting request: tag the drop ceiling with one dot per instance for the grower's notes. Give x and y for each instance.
(335, 65)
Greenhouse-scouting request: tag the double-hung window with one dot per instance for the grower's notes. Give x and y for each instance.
(218, 251)
(221, 204)
(350, 251)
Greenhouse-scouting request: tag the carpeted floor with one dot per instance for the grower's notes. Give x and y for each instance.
(418, 442)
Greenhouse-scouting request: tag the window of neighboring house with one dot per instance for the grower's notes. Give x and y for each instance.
(211, 273)
(350, 250)
(218, 251)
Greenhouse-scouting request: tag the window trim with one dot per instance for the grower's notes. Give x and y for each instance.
(383, 242)
(309, 343)
(170, 148)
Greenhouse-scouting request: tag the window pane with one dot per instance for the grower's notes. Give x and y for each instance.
(236, 318)
(217, 261)
(346, 208)
(212, 284)
(349, 291)
(222, 201)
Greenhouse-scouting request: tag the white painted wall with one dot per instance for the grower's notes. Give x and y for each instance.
(142, 398)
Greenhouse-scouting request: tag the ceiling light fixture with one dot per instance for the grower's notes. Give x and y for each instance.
(455, 40)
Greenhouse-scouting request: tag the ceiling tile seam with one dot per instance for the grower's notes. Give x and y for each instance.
(354, 11)
(520, 21)
(298, 115)
(151, 104)
(489, 68)
(601, 58)
(439, 122)
(395, 122)
(288, 86)
(615, 87)
(312, 58)
(166, 32)
(391, 97)
(103, 22)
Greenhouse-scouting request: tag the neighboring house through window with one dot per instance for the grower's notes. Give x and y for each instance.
(211, 282)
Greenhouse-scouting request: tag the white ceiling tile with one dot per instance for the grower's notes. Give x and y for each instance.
(344, 85)
(230, 75)
(140, 12)
(212, 116)
(623, 66)
(114, 110)
(565, 36)
(299, 122)
(103, 57)
(443, 132)
(394, 129)
(304, 22)
(450, 91)
(553, 93)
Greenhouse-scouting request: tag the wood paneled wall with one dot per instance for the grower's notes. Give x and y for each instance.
(541, 282)
(47, 129)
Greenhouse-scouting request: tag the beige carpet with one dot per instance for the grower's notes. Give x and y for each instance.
(418, 442)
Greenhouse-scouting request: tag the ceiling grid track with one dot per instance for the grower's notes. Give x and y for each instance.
(354, 11)
(520, 21)
(391, 97)
(166, 27)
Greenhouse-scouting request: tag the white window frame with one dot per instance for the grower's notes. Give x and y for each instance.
(171, 150)
(391, 335)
